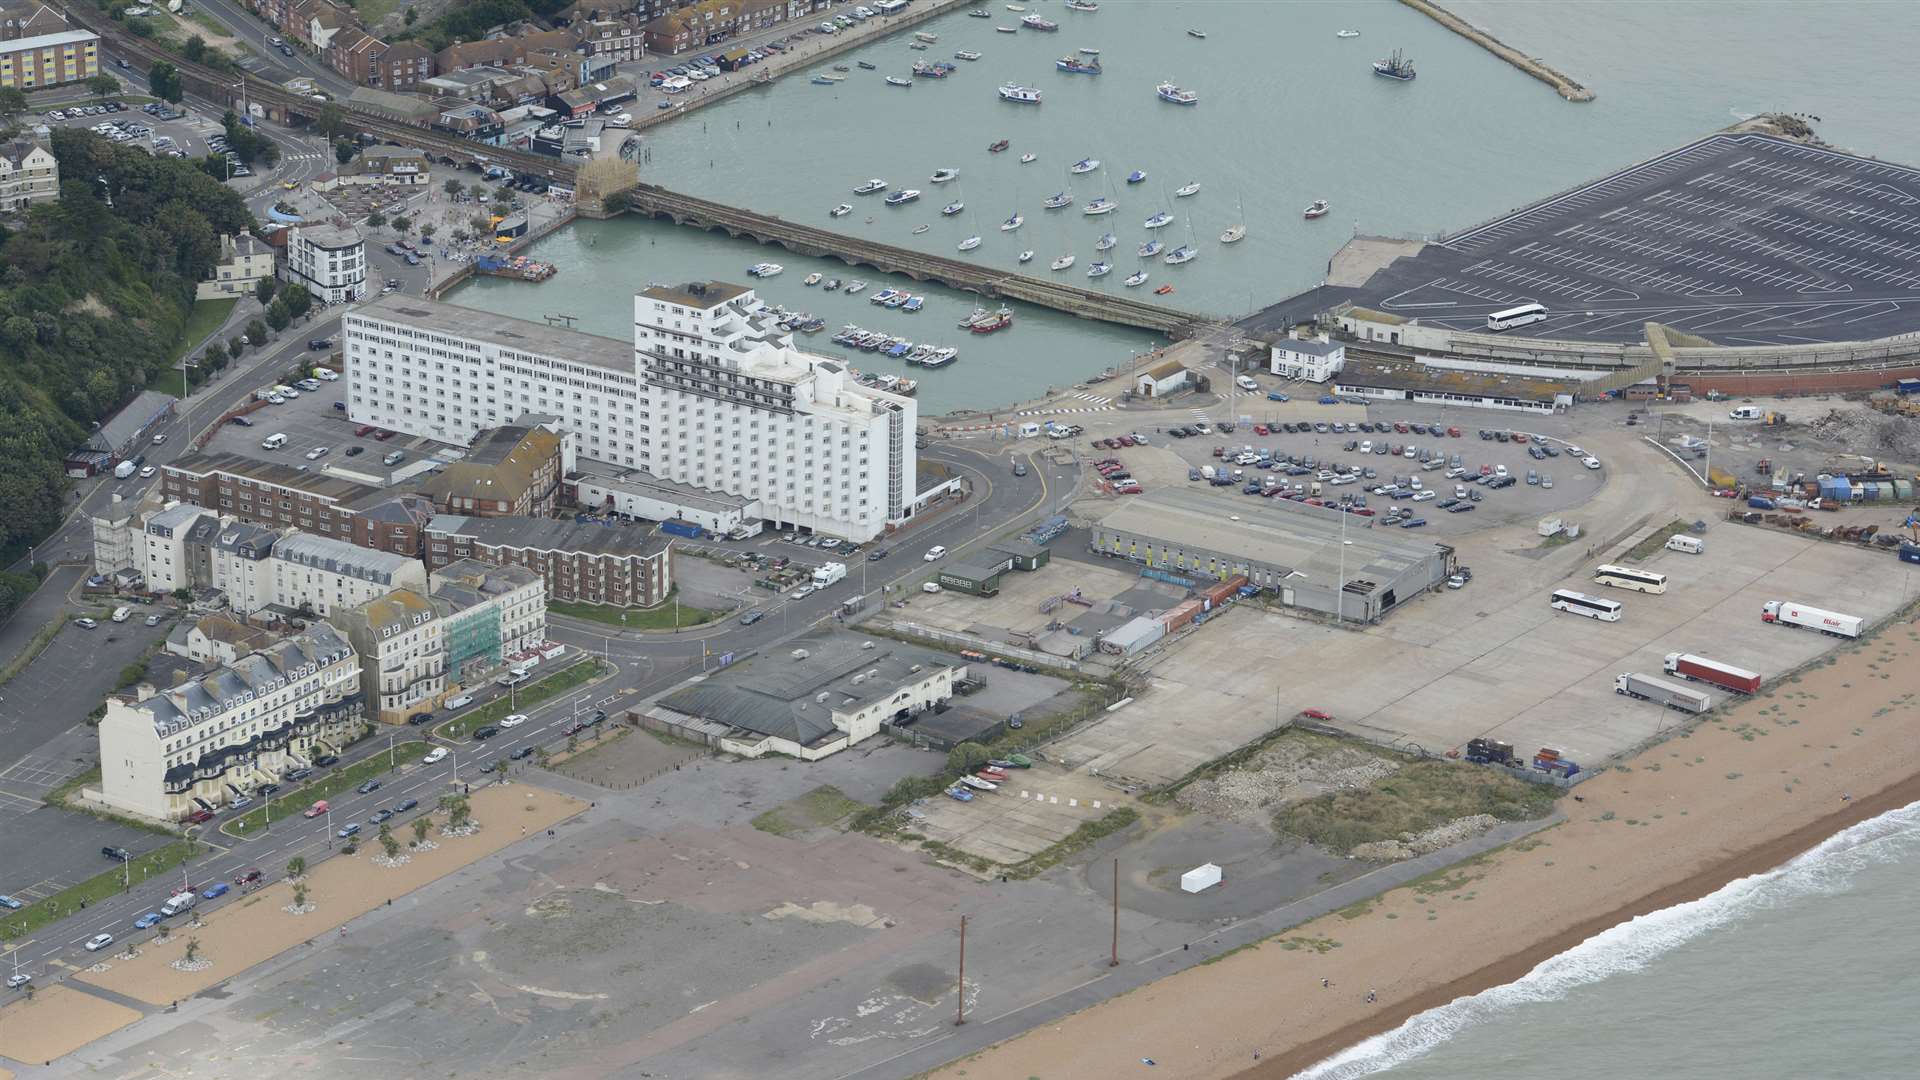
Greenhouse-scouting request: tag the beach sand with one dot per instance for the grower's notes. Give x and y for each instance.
(1757, 784)
(57, 1022)
(342, 888)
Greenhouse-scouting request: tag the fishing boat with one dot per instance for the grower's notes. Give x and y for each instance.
(1185, 190)
(1234, 234)
(1057, 200)
(1082, 5)
(988, 323)
(1022, 95)
(941, 176)
(1105, 243)
(1318, 209)
(1201, 34)
(839, 67)
(940, 357)
(963, 54)
(813, 278)
(765, 269)
(865, 66)
(1149, 249)
(952, 208)
(969, 243)
(924, 70)
(920, 228)
(1181, 254)
(1063, 262)
(1136, 176)
(870, 187)
(1026, 256)
(1159, 220)
(904, 195)
(1099, 269)
(854, 286)
(1085, 165)
(1035, 22)
(1138, 277)
(895, 80)
(1073, 65)
(1027, 159)
(1176, 95)
(1395, 67)
(997, 146)
(841, 211)
(1347, 33)
(922, 35)
(1012, 223)
(1101, 205)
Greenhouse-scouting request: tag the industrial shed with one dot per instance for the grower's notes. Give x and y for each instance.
(1306, 556)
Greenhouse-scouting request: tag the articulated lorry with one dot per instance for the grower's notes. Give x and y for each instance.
(1672, 695)
(1724, 676)
(1830, 622)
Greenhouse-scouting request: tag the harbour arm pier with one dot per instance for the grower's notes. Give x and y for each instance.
(1563, 85)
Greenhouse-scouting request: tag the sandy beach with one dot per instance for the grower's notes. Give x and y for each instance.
(57, 1022)
(1752, 787)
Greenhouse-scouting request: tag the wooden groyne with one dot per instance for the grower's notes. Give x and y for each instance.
(1562, 85)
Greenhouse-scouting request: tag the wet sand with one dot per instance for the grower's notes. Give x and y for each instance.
(1748, 790)
(57, 1022)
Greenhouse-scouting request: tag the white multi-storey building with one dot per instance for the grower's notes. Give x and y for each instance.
(200, 744)
(403, 659)
(321, 574)
(166, 556)
(711, 394)
(330, 260)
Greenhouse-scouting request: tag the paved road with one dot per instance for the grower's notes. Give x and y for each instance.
(267, 61)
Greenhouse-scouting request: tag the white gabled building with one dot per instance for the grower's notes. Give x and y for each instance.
(1313, 361)
(711, 394)
(198, 745)
(320, 574)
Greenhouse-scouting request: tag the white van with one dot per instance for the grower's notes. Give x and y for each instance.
(1246, 383)
(273, 442)
(1028, 431)
(122, 614)
(1692, 545)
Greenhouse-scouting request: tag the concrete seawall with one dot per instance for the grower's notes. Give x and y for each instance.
(1562, 85)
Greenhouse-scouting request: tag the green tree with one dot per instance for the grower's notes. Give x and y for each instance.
(257, 331)
(376, 219)
(458, 810)
(410, 16)
(299, 894)
(478, 191)
(194, 49)
(615, 201)
(235, 347)
(193, 949)
(343, 152)
(451, 187)
(277, 316)
(332, 122)
(104, 86)
(296, 866)
(402, 224)
(420, 826)
(264, 289)
(387, 841)
(299, 300)
(163, 79)
(427, 231)
(461, 236)
(13, 102)
(500, 209)
(966, 757)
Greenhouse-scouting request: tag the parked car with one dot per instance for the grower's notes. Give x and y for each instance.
(10, 903)
(325, 760)
(85, 623)
(298, 774)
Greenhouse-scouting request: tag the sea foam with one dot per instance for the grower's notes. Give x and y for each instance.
(1632, 945)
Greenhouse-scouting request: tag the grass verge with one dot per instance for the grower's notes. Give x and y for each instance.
(42, 638)
(529, 696)
(659, 617)
(815, 809)
(206, 317)
(101, 886)
(1418, 797)
(1074, 842)
(1655, 542)
(324, 786)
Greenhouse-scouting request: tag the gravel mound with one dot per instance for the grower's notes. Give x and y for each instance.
(1288, 772)
(1411, 844)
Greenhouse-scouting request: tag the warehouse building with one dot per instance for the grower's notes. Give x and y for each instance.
(1306, 556)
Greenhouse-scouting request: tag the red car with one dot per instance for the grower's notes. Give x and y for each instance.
(1486, 470)
(1219, 451)
(1454, 432)
(1314, 714)
(1519, 437)
(383, 434)
(1400, 426)
(1364, 512)
(1259, 429)
(200, 816)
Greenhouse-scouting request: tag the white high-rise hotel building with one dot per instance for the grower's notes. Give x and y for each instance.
(710, 394)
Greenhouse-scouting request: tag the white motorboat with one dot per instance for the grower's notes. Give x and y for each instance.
(1318, 209)
(941, 176)
(1099, 269)
(1012, 223)
(923, 227)
(1027, 159)
(904, 195)
(1085, 165)
(841, 211)
(978, 784)
(1089, 52)
(813, 278)
(765, 269)
(1015, 8)
(1185, 190)
(1176, 95)
(1138, 277)
(952, 208)
(969, 243)
(1159, 220)
(1106, 242)
(1234, 234)
(895, 80)
(1347, 33)
(964, 54)
(1022, 95)
(1026, 256)
(1063, 262)
(1101, 205)
(870, 187)
(1008, 29)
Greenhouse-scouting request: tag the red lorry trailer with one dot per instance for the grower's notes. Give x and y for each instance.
(1725, 676)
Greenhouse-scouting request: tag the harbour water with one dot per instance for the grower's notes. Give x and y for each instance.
(1288, 113)
(1804, 971)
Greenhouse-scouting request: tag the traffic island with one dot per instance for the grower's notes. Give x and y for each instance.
(337, 891)
(56, 1022)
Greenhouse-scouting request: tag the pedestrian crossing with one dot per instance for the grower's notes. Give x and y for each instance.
(1108, 407)
(305, 157)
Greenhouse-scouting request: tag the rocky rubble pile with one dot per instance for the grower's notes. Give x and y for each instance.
(1411, 844)
(1288, 772)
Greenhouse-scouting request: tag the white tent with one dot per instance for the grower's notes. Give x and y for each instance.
(1200, 877)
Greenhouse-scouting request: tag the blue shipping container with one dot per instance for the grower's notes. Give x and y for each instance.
(1909, 552)
(682, 528)
(1760, 502)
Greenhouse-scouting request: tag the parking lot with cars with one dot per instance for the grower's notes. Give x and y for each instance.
(316, 432)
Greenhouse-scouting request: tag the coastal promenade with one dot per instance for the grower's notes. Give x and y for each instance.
(1563, 85)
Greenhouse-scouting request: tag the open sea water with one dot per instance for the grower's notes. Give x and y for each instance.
(1288, 113)
(1803, 971)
